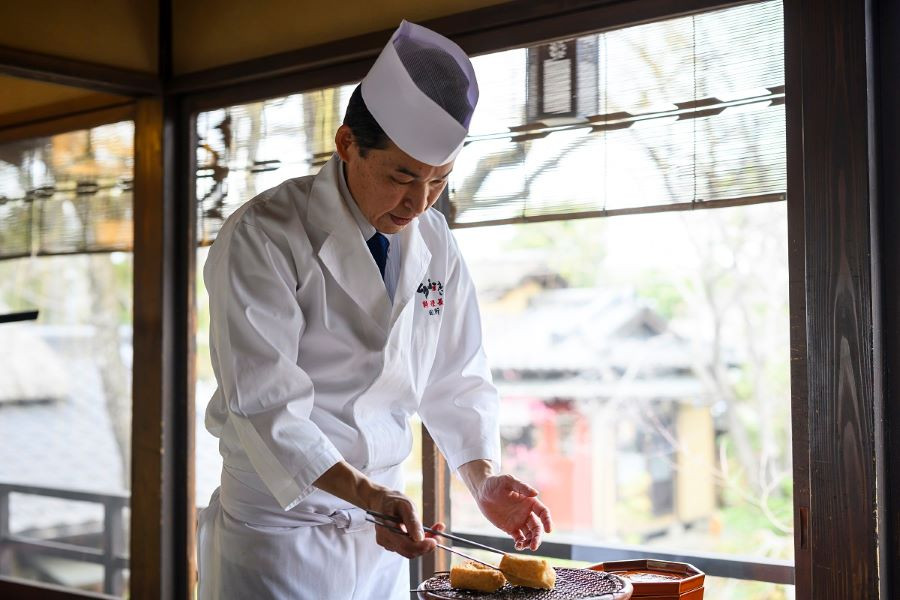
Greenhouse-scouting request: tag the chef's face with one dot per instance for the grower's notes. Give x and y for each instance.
(390, 187)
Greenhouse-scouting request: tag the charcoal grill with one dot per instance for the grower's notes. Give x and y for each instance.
(571, 584)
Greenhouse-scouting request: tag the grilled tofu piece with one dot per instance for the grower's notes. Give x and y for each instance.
(528, 571)
(471, 575)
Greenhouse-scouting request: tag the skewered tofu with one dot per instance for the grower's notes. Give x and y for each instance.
(528, 571)
(471, 575)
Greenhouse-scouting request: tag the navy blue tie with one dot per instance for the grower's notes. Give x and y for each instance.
(378, 246)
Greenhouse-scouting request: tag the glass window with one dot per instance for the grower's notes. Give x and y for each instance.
(643, 369)
(678, 111)
(65, 379)
(642, 361)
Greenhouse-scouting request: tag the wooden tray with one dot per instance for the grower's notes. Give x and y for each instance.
(675, 580)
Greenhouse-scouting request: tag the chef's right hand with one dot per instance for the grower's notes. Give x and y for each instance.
(346, 482)
(411, 544)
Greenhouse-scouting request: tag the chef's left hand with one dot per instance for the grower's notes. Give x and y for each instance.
(508, 503)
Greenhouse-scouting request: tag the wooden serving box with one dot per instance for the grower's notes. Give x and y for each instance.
(658, 579)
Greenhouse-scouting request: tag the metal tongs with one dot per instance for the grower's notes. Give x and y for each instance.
(445, 534)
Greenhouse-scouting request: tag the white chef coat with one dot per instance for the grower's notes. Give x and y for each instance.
(315, 364)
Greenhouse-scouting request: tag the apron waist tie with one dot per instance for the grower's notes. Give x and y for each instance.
(349, 519)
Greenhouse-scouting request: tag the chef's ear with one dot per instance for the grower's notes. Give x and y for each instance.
(345, 143)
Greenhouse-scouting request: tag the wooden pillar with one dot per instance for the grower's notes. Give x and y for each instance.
(887, 71)
(435, 501)
(836, 402)
(152, 528)
(163, 524)
(162, 505)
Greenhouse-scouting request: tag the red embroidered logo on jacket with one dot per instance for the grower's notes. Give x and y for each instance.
(433, 296)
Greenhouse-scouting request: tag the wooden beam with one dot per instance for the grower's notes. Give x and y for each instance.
(435, 501)
(70, 122)
(11, 588)
(826, 48)
(56, 110)
(161, 521)
(488, 29)
(800, 455)
(76, 73)
(151, 485)
(623, 212)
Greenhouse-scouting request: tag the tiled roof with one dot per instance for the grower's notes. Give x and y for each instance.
(31, 370)
(67, 444)
(587, 331)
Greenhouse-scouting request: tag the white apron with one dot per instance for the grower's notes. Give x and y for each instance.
(314, 365)
(335, 561)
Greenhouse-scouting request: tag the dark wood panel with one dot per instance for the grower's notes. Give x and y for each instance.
(87, 103)
(482, 30)
(567, 23)
(186, 315)
(828, 46)
(164, 38)
(18, 589)
(179, 158)
(283, 85)
(70, 122)
(793, 27)
(65, 71)
(887, 34)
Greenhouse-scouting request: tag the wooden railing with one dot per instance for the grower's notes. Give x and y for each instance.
(114, 560)
(112, 557)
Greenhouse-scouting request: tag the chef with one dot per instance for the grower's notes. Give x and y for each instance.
(339, 307)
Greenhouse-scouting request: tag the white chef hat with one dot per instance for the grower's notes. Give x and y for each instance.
(422, 92)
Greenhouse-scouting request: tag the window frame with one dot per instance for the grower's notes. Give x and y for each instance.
(591, 17)
(18, 588)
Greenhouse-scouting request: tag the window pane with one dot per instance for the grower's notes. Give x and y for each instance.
(65, 379)
(634, 356)
(67, 193)
(65, 415)
(682, 110)
(717, 587)
(248, 148)
(643, 368)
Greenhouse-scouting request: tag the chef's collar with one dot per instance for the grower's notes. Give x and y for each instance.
(365, 228)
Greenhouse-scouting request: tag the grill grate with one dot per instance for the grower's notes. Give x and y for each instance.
(571, 584)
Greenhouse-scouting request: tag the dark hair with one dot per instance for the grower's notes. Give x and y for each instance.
(367, 133)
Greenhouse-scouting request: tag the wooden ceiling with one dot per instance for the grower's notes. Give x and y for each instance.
(204, 34)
